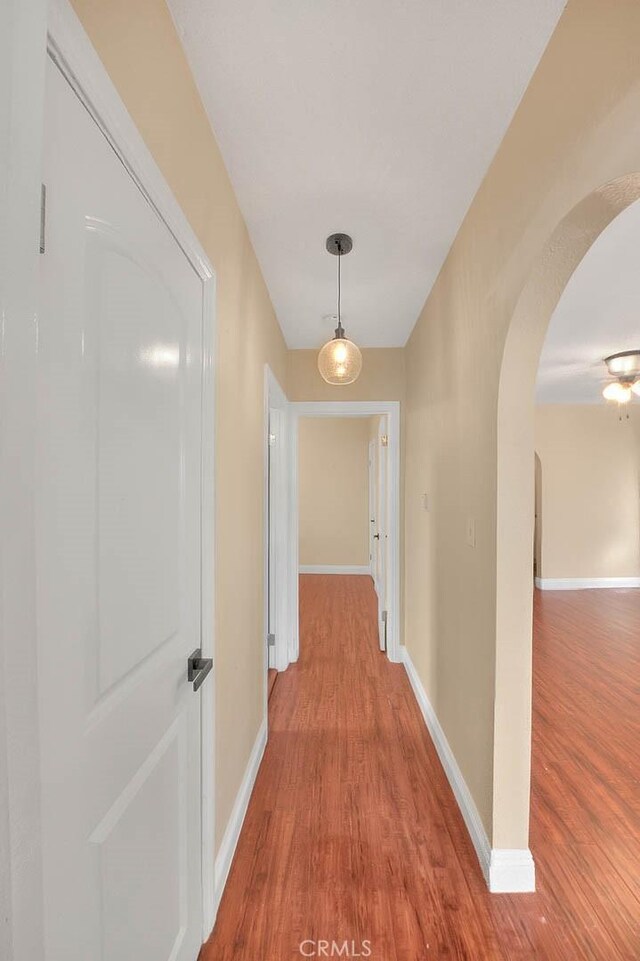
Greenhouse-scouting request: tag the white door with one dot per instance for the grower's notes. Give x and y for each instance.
(372, 509)
(382, 523)
(272, 534)
(278, 559)
(119, 568)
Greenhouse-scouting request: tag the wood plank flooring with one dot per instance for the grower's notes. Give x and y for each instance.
(353, 834)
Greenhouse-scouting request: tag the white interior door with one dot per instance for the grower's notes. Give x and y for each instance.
(373, 509)
(382, 527)
(279, 561)
(119, 559)
(273, 521)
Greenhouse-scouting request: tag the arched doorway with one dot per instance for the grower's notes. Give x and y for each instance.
(560, 256)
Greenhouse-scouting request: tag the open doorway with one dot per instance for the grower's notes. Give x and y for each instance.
(346, 499)
(333, 522)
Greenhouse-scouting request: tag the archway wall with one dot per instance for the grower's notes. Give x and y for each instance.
(469, 416)
(515, 494)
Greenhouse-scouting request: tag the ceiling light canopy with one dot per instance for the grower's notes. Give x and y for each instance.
(340, 360)
(625, 367)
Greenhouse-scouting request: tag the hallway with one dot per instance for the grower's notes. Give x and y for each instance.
(353, 834)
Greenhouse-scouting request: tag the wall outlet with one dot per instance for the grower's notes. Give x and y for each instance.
(471, 531)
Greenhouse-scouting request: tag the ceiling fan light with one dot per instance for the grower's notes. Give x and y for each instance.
(625, 364)
(615, 391)
(340, 361)
(635, 387)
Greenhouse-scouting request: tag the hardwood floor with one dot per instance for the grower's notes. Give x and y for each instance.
(353, 834)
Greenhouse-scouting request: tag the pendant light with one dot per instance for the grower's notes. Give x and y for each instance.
(340, 360)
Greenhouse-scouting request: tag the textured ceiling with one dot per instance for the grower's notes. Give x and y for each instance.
(597, 315)
(375, 117)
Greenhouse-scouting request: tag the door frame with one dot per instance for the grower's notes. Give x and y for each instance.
(356, 408)
(284, 651)
(70, 49)
(23, 28)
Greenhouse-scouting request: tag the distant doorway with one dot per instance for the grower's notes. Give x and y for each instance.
(380, 504)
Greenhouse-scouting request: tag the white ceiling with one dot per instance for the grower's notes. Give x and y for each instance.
(597, 315)
(374, 117)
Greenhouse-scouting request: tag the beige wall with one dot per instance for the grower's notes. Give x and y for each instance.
(333, 479)
(590, 491)
(382, 377)
(141, 51)
(577, 128)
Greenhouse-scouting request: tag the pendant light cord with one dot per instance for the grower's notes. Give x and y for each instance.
(339, 259)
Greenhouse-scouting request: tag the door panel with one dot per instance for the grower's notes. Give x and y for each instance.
(119, 566)
(138, 426)
(137, 842)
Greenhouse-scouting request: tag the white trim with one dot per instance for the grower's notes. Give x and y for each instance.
(335, 569)
(265, 540)
(275, 398)
(458, 784)
(356, 408)
(70, 48)
(207, 594)
(234, 825)
(22, 65)
(344, 408)
(512, 871)
(294, 540)
(504, 870)
(584, 583)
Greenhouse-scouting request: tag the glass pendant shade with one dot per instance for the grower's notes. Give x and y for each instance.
(340, 361)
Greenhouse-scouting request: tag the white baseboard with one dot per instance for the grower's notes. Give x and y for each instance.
(234, 825)
(511, 871)
(584, 583)
(334, 569)
(505, 870)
